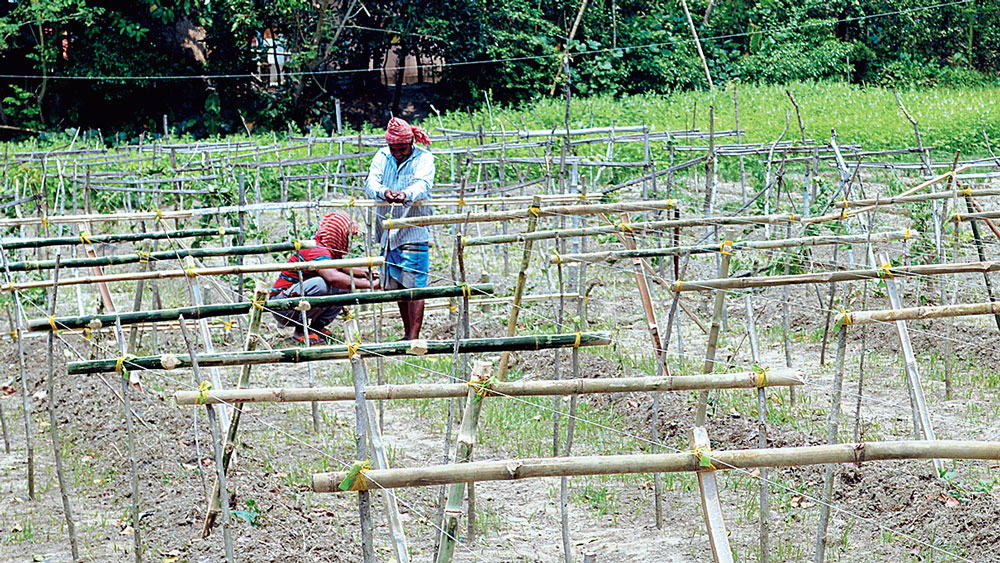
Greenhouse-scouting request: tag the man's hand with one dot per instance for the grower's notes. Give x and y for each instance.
(394, 197)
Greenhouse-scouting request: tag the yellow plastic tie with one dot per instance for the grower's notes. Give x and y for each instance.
(258, 304)
(352, 348)
(967, 191)
(558, 257)
(845, 317)
(85, 238)
(671, 204)
(202, 388)
(724, 245)
(791, 217)
(45, 222)
(13, 334)
(461, 202)
(536, 211)
(371, 264)
(887, 271)
(298, 245)
(348, 315)
(120, 365)
(227, 325)
(583, 197)
(704, 460)
(222, 231)
(190, 271)
(906, 234)
(86, 333)
(627, 227)
(159, 214)
(958, 218)
(843, 214)
(761, 376)
(452, 308)
(483, 387)
(143, 256)
(350, 202)
(466, 291)
(677, 286)
(355, 479)
(389, 222)
(52, 322)
(576, 343)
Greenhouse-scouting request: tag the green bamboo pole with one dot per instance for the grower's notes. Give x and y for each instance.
(556, 210)
(522, 277)
(229, 444)
(465, 442)
(562, 387)
(224, 309)
(163, 255)
(16, 243)
(713, 341)
(833, 423)
(643, 227)
(684, 462)
(615, 255)
(319, 353)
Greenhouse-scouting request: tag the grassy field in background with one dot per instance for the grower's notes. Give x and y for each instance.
(950, 118)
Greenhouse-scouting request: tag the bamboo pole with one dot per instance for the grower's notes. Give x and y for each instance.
(253, 338)
(562, 387)
(464, 444)
(846, 275)
(715, 525)
(615, 255)
(224, 309)
(638, 228)
(360, 262)
(689, 462)
(833, 425)
(713, 341)
(522, 277)
(917, 313)
(879, 202)
(553, 211)
(763, 483)
(15, 243)
(319, 353)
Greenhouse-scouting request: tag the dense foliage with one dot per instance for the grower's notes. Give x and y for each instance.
(507, 51)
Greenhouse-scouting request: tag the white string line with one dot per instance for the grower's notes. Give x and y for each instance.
(771, 31)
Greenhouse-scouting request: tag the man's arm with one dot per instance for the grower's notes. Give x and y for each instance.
(373, 184)
(423, 179)
(340, 280)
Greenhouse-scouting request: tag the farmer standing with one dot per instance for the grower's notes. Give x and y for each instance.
(403, 174)
(332, 242)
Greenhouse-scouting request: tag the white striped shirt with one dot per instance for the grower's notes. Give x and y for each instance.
(415, 178)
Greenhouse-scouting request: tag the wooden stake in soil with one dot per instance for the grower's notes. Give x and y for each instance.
(361, 453)
(522, 277)
(220, 470)
(765, 504)
(714, 522)
(713, 340)
(54, 425)
(834, 422)
(123, 374)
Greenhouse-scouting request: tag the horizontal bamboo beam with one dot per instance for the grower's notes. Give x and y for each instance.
(741, 380)
(959, 217)
(917, 313)
(642, 227)
(360, 262)
(581, 209)
(615, 255)
(224, 309)
(15, 243)
(514, 469)
(119, 259)
(918, 198)
(319, 353)
(828, 277)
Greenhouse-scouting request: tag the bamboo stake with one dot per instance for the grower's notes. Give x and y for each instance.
(25, 402)
(253, 338)
(54, 426)
(163, 255)
(846, 275)
(714, 522)
(361, 428)
(917, 313)
(373, 261)
(207, 311)
(522, 277)
(14, 243)
(832, 439)
(464, 444)
(895, 200)
(220, 470)
(615, 255)
(713, 341)
(643, 227)
(689, 462)
(319, 353)
(562, 387)
(553, 211)
(982, 255)
(763, 483)
(122, 370)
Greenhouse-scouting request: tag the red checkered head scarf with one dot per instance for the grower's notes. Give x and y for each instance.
(335, 232)
(399, 132)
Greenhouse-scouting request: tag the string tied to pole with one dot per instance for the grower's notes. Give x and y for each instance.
(726, 247)
(159, 214)
(576, 341)
(704, 460)
(389, 222)
(85, 238)
(222, 231)
(466, 291)
(352, 347)
(52, 323)
(535, 211)
(886, 270)
(203, 388)
(14, 334)
(348, 315)
(670, 204)
(355, 479)
(483, 387)
(958, 217)
(350, 202)
(189, 271)
(45, 222)
(967, 191)
(143, 256)
(258, 303)
(627, 226)
(120, 367)
(677, 286)
(907, 234)
(86, 333)
(845, 317)
(558, 257)
(760, 376)
(227, 325)
(298, 245)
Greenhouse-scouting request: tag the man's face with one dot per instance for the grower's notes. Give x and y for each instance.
(401, 152)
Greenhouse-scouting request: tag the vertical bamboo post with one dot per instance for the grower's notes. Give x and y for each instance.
(29, 444)
(713, 339)
(714, 523)
(464, 444)
(833, 424)
(123, 374)
(360, 453)
(982, 255)
(765, 503)
(515, 306)
(229, 445)
(213, 423)
(137, 302)
(54, 424)
(697, 43)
